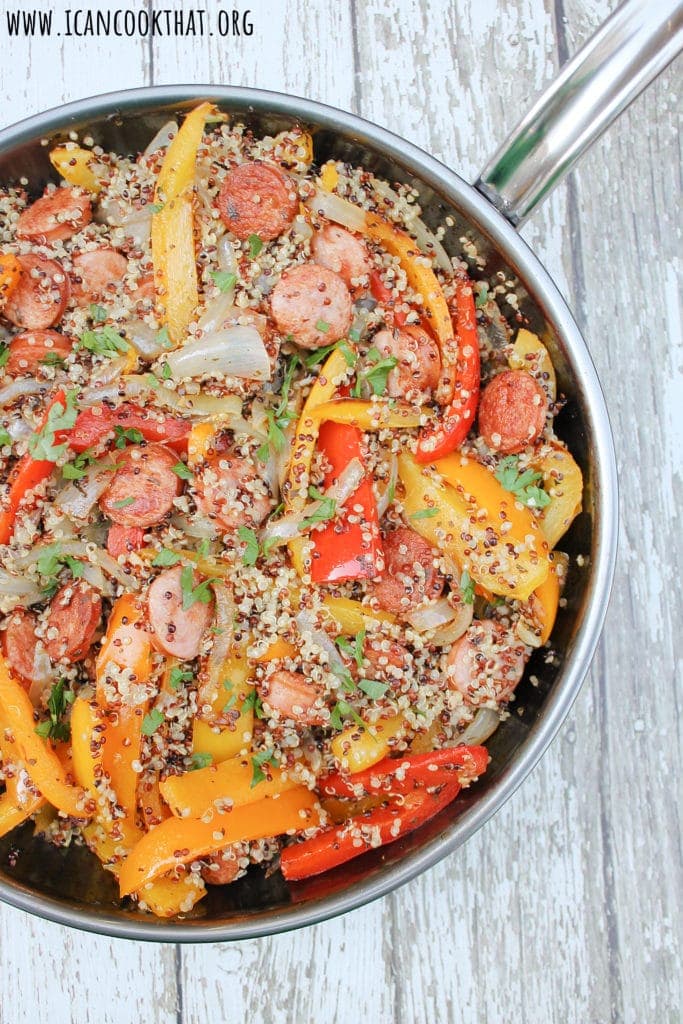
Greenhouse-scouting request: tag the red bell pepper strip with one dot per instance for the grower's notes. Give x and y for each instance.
(28, 473)
(402, 774)
(93, 423)
(384, 296)
(343, 550)
(366, 831)
(444, 437)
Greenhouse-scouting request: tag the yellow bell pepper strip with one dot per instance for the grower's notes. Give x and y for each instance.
(279, 649)
(126, 644)
(179, 841)
(175, 265)
(352, 616)
(219, 789)
(356, 748)
(236, 694)
(329, 176)
(111, 841)
(40, 760)
(381, 415)
(530, 354)
(75, 165)
(87, 743)
(168, 897)
(465, 525)
(563, 482)
(10, 272)
(20, 799)
(539, 612)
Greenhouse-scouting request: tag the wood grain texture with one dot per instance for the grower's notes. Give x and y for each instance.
(565, 907)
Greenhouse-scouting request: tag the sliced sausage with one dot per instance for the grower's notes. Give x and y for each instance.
(41, 295)
(30, 351)
(229, 490)
(418, 369)
(409, 576)
(176, 630)
(21, 646)
(144, 293)
(486, 663)
(58, 215)
(346, 254)
(384, 659)
(312, 304)
(122, 540)
(97, 275)
(221, 868)
(143, 488)
(512, 412)
(74, 614)
(294, 696)
(257, 199)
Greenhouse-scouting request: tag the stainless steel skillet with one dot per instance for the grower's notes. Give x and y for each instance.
(634, 45)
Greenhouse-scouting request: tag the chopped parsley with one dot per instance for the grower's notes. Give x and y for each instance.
(4, 437)
(151, 722)
(163, 338)
(51, 562)
(104, 342)
(322, 353)
(178, 676)
(354, 334)
(203, 548)
(155, 207)
(376, 374)
(98, 314)
(52, 359)
(4, 354)
(166, 372)
(467, 587)
(372, 688)
(42, 444)
(258, 761)
(183, 471)
(255, 245)
(224, 281)
(200, 760)
(354, 648)
(322, 326)
(425, 513)
(482, 295)
(252, 700)
(124, 502)
(280, 418)
(192, 594)
(523, 485)
(165, 558)
(344, 676)
(128, 435)
(53, 728)
(342, 710)
(326, 510)
(251, 550)
(77, 469)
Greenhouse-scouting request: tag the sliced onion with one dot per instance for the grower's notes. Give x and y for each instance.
(146, 341)
(95, 577)
(236, 352)
(431, 614)
(163, 138)
(306, 625)
(385, 499)
(483, 725)
(86, 552)
(279, 531)
(138, 225)
(224, 626)
(110, 371)
(19, 389)
(219, 312)
(78, 497)
(225, 254)
(25, 590)
(110, 211)
(339, 210)
(301, 227)
(18, 429)
(194, 526)
(43, 674)
(452, 631)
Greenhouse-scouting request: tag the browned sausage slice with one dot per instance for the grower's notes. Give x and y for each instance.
(40, 296)
(20, 644)
(409, 574)
(30, 351)
(143, 488)
(97, 275)
(229, 490)
(75, 611)
(257, 199)
(312, 304)
(419, 362)
(176, 630)
(58, 215)
(337, 249)
(486, 663)
(219, 870)
(294, 696)
(122, 540)
(512, 412)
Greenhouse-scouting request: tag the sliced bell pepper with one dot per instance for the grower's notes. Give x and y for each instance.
(123, 740)
(74, 165)
(344, 550)
(168, 897)
(451, 430)
(178, 169)
(10, 272)
(364, 832)
(92, 424)
(127, 644)
(563, 482)
(19, 801)
(279, 649)
(28, 473)
(352, 616)
(471, 510)
(329, 176)
(403, 773)
(530, 354)
(380, 415)
(222, 742)
(199, 793)
(179, 841)
(357, 748)
(538, 614)
(41, 762)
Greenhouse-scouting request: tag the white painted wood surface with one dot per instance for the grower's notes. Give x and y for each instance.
(567, 906)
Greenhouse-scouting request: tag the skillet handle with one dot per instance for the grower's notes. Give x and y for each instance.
(626, 53)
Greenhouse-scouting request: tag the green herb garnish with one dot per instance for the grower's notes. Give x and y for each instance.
(51, 562)
(224, 281)
(258, 761)
(192, 594)
(165, 558)
(322, 326)
(341, 710)
(200, 760)
(377, 374)
(54, 728)
(98, 314)
(522, 485)
(251, 550)
(354, 648)
(425, 513)
(467, 587)
(255, 245)
(482, 295)
(183, 471)
(42, 444)
(320, 354)
(151, 722)
(178, 676)
(104, 342)
(327, 509)
(4, 354)
(252, 700)
(128, 435)
(4, 437)
(372, 688)
(124, 502)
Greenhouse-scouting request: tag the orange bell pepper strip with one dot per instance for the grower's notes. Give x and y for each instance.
(127, 644)
(168, 897)
(392, 413)
(20, 799)
(123, 739)
(29, 472)
(44, 767)
(230, 783)
(179, 841)
(451, 430)
(10, 272)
